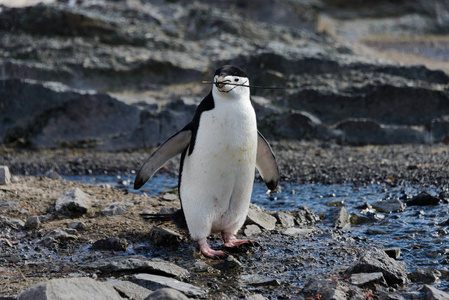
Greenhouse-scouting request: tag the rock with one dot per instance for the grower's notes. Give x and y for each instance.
(261, 219)
(251, 230)
(5, 176)
(73, 203)
(255, 297)
(13, 223)
(376, 260)
(166, 294)
(130, 290)
(52, 174)
(138, 264)
(112, 244)
(77, 288)
(432, 293)
(340, 217)
(230, 264)
(423, 199)
(164, 237)
(368, 279)
(293, 231)
(76, 225)
(393, 252)
(169, 197)
(154, 282)
(427, 276)
(439, 129)
(32, 222)
(116, 208)
(389, 205)
(329, 289)
(8, 203)
(305, 216)
(286, 220)
(58, 238)
(258, 280)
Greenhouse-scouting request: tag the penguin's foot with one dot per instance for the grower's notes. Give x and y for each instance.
(230, 241)
(207, 251)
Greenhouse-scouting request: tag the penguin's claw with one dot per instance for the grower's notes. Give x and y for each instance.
(207, 251)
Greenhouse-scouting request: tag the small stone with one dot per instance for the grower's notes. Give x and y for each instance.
(427, 276)
(262, 219)
(73, 203)
(76, 225)
(340, 217)
(305, 216)
(294, 231)
(389, 206)
(251, 230)
(116, 208)
(57, 238)
(164, 237)
(286, 220)
(113, 244)
(229, 264)
(169, 197)
(423, 199)
(434, 294)
(7, 203)
(32, 222)
(52, 174)
(5, 176)
(166, 294)
(368, 279)
(258, 280)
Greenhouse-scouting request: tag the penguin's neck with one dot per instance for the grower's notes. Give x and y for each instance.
(237, 97)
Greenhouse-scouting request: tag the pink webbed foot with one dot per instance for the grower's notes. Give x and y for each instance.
(231, 241)
(207, 251)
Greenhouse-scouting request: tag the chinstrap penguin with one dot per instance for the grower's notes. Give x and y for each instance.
(221, 147)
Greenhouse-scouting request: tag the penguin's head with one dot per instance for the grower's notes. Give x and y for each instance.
(228, 80)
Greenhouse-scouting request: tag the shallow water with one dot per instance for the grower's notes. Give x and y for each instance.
(424, 243)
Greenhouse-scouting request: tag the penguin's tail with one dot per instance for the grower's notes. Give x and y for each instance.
(165, 215)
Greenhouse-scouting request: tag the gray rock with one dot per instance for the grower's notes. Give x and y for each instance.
(261, 219)
(112, 244)
(376, 260)
(72, 288)
(393, 252)
(32, 222)
(52, 174)
(130, 290)
(116, 208)
(169, 197)
(427, 276)
(164, 237)
(13, 223)
(73, 203)
(138, 264)
(167, 294)
(58, 238)
(329, 290)
(230, 264)
(305, 216)
(5, 176)
(258, 280)
(439, 129)
(76, 225)
(368, 279)
(293, 231)
(340, 217)
(252, 230)
(389, 205)
(255, 297)
(154, 282)
(432, 293)
(285, 219)
(8, 203)
(423, 199)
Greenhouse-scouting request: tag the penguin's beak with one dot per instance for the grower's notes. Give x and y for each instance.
(221, 82)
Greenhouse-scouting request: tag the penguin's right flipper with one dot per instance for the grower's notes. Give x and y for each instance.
(266, 163)
(171, 147)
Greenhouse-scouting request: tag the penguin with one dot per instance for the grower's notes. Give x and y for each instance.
(220, 150)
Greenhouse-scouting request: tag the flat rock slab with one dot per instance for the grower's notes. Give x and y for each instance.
(154, 282)
(262, 219)
(434, 294)
(139, 264)
(71, 289)
(130, 290)
(367, 279)
(298, 231)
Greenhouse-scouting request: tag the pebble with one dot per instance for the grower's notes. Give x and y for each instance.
(252, 230)
(169, 197)
(32, 222)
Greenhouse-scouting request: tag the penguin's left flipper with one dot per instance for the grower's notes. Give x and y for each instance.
(171, 147)
(266, 163)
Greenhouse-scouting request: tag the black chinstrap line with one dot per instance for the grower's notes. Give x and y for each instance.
(248, 85)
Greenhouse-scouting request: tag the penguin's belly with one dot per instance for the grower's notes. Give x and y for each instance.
(217, 178)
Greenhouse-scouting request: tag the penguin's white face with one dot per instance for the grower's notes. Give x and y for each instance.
(229, 81)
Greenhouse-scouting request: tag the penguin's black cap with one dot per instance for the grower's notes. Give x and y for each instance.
(230, 70)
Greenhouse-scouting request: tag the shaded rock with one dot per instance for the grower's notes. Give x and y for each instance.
(130, 290)
(13, 223)
(293, 231)
(53, 174)
(285, 219)
(112, 244)
(305, 216)
(58, 238)
(5, 176)
(76, 225)
(251, 230)
(258, 280)
(330, 290)
(73, 203)
(166, 294)
(427, 276)
(230, 264)
(154, 282)
(393, 252)
(376, 260)
(423, 199)
(261, 218)
(116, 208)
(77, 288)
(32, 222)
(340, 217)
(138, 264)
(164, 237)
(368, 279)
(432, 293)
(389, 205)
(439, 129)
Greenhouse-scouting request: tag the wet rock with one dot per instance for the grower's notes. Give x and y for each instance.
(261, 219)
(154, 282)
(423, 199)
(230, 264)
(389, 205)
(368, 279)
(376, 260)
(258, 280)
(293, 231)
(330, 290)
(285, 219)
(32, 222)
(112, 244)
(5, 176)
(340, 217)
(164, 237)
(73, 203)
(166, 294)
(116, 208)
(251, 230)
(393, 252)
(305, 216)
(427, 276)
(58, 238)
(130, 290)
(439, 128)
(432, 293)
(138, 264)
(78, 288)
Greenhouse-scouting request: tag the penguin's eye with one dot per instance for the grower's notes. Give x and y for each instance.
(236, 79)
